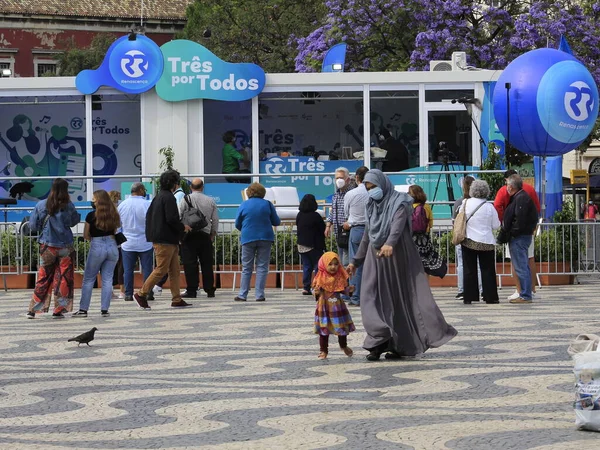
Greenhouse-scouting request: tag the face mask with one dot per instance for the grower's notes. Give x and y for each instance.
(376, 193)
(93, 205)
(340, 183)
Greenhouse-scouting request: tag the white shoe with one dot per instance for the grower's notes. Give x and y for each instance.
(514, 296)
(533, 295)
(157, 290)
(121, 295)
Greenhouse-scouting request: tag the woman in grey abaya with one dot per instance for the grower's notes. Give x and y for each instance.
(399, 313)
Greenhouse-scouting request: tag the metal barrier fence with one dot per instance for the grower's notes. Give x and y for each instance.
(568, 249)
(560, 249)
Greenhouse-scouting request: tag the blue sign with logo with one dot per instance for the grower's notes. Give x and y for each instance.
(322, 187)
(192, 71)
(553, 102)
(131, 66)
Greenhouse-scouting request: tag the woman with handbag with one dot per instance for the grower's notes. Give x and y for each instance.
(421, 223)
(53, 219)
(100, 227)
(479, 244)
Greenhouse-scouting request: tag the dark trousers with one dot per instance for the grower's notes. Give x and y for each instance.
(310, 262)
(487, 262)
(324, 342)
(198, 247)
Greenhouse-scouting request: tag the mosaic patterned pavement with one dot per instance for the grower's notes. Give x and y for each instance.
(228, 375)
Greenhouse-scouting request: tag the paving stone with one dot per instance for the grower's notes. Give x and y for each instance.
(225, 375)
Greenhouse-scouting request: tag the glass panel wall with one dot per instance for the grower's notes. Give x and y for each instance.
(220, 118)
(41, 136)
(116, 133)
(310, 132)
(450, 137)
(395, 129)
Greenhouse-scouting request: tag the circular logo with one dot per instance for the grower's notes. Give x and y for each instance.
(275, 166)
(567, 102)
(76, 123)
(578, 101)
(134, 64)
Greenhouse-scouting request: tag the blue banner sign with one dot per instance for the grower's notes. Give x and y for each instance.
(322, 187)
(192, 71)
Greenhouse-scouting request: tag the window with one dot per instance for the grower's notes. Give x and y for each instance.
(45, 68)
(7, 62)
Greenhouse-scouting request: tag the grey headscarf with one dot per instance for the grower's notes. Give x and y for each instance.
(381, 213)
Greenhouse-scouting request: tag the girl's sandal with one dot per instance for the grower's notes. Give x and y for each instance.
(348, 351)
(323, 355)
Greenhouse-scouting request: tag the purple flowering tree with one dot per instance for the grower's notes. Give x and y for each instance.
(406, 34)
(375, 30)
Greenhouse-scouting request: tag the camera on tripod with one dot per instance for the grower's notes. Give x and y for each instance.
(444, 153)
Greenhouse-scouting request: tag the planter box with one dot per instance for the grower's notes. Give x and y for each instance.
(225, 280)
(291, 280)
(17, 281)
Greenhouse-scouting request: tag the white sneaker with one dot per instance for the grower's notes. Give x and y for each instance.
(157, 290)
(514, 296)
(121, 295)
(533, 295)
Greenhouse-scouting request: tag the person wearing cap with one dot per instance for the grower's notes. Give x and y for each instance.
(501, 203)
(133, 219)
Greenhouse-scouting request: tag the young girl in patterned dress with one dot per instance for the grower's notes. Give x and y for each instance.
(331, 315)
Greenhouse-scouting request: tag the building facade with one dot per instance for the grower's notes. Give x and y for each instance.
(32, 33)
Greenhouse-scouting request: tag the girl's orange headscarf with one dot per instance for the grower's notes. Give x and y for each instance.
(327, 281)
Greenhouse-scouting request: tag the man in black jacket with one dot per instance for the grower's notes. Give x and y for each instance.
(164, 229)
(520, 220)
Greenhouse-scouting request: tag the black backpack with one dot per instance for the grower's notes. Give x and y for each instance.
(193, 217)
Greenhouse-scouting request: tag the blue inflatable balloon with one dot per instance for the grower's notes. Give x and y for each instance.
(553, 102)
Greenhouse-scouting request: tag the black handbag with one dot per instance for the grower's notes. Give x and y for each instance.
(342, 237)
(120, 238)
(503, 237)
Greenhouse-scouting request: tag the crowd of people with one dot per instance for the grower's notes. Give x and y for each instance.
(135, 230)
(383, 260)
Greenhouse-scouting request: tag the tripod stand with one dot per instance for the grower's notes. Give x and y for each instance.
(446, 167)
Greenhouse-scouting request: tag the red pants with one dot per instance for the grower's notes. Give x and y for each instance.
(56, 271)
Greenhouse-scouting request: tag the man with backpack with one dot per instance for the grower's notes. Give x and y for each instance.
(199, 211)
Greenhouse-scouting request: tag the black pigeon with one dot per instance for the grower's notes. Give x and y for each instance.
(84, 338)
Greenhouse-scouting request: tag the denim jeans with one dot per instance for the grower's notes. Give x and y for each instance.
(310, 261)
(259, 251)
(459, 271)
(102, 258)
(344, 255)
(356, 235)
(129, 260)
(518, 247)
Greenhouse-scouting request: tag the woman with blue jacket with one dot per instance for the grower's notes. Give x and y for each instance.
(256, 218)
(53, 219)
